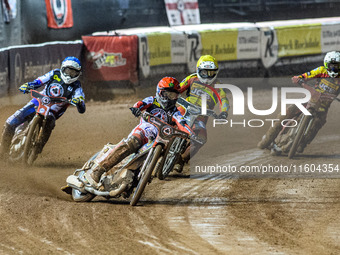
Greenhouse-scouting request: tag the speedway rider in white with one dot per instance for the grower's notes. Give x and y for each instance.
(163, 106)
(61, 82)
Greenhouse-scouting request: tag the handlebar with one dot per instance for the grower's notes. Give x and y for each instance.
(53, 99)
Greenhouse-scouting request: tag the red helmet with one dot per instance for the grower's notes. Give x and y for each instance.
(167, 92)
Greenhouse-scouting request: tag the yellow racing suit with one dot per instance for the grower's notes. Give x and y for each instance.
(194, 89)
(323, 83)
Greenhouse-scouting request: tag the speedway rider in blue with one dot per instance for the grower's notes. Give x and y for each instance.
(61, 82)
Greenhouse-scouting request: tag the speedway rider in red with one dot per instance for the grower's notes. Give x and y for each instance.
(61, 82)
(194, 85)
(330, 83)
(163, 106)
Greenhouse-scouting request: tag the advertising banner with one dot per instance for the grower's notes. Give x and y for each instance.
(330, 37)
(269, 47)
(248, 44)
(299, 40)
(110, 58)
(222, 44)
(59, 13)
(194, 49)
(182, 12)
(4, 74)
(25, 63)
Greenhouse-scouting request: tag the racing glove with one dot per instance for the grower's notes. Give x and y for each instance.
(77, 100)
(25, 88)
(223, 115)
(296, 79)
(136, 111)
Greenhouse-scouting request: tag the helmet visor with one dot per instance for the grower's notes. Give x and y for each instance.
(67, 71)
(333, 67)
(170, 95)
(206, 73)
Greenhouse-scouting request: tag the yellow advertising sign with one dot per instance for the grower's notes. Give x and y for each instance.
(299, 40)
(221, 44)
(159, 48)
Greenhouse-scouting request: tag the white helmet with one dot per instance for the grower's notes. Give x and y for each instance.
(332, 63)
(207, 69)
(70, 69)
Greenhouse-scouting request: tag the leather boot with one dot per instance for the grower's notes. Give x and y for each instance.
(113, 157)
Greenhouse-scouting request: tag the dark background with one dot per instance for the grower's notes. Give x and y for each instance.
(30, 25)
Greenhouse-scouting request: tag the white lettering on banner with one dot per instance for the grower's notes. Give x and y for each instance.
(330, 37)
(144, 55)
(248, 44)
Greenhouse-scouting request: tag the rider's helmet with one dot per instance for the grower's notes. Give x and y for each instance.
(207, 69)
(332, 63)
(167, 92)
(70, 69)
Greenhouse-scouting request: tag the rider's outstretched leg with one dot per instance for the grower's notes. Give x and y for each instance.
(113, 157)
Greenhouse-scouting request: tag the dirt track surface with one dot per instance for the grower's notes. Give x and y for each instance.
(223, 214)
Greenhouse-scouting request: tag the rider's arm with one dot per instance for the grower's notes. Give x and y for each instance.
(41, 80)
(185, 84)
(315, 73)
(144, 104)
(79, 94)
(224, 100)
(177, 117)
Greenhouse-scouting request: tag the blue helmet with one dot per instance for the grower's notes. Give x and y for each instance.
(70, 69)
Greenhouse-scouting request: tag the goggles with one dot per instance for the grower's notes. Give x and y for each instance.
(71, 72)
(206, 73)
(170, 95)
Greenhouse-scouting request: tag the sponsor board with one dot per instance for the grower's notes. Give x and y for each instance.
(299, 40)
(111, 58)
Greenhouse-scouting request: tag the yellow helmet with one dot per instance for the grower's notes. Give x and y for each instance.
(207, 69)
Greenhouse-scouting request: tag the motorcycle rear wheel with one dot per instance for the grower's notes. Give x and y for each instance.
(146, 176)
(30, 150)
(299, 135)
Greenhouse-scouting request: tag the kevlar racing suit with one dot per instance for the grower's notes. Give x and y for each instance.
(323, 84)
(140, 135)
(194, 89)
(54, 86)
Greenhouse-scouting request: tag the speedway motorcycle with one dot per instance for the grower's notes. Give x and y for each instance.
(27, 140)
(290, 138)
(179, 144)
(130, 177)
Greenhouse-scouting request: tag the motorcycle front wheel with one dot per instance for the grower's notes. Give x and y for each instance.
(146, 175)
(299, 135)
(30, 150)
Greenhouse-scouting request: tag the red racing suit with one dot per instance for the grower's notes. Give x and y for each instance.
(145, 131)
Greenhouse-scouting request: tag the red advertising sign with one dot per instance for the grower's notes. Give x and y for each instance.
(111, 58)
(59, 13)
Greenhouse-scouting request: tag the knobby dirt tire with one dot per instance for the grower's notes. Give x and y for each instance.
(146, 176)
(298, 137)
(167, 168)
(30, 150)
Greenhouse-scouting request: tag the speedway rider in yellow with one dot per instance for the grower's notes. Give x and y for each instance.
(194, 85)
(326, 79)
